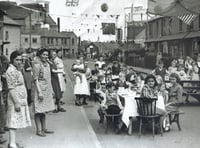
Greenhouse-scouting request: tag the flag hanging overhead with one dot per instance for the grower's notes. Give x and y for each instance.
(187, 18)
(108, 28)
(173, 7)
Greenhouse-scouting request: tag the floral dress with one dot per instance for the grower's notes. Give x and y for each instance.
(41, 72)
(15, 83)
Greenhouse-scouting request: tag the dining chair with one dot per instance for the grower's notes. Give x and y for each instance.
(147, 112)
(112, 118)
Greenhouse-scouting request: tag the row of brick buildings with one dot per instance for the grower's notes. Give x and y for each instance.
(173, 37)
(30, 26)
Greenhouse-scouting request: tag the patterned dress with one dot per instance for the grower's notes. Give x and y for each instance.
(41, 72)
(15, 83)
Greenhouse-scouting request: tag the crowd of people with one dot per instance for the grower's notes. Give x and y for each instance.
(38, 80)
(30, 80)
(187, 69)
(106, 78)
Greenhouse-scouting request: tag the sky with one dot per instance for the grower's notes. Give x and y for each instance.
(86, 18)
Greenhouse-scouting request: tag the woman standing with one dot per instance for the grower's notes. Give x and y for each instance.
(43, 100)
(17, 110)
(57, 80)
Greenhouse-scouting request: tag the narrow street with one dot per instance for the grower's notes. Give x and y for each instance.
(78, 127)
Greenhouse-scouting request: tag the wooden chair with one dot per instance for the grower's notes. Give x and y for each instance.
(174, 117)
(110, 119)
(147, 112)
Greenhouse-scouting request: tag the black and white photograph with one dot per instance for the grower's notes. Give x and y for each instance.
(99, 73)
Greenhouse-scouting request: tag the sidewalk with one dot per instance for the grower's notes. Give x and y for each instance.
(72, 128)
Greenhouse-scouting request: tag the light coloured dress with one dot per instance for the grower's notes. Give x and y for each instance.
(41, 72)
(15, 83)
(60, 71)
(81, 85)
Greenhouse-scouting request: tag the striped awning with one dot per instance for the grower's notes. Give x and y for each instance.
(187, 18)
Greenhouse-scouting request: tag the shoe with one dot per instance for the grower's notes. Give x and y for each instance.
(85, 103)
(48, 132)
(118, 131)
(61, 110)
(2, 131)
(40, 133)
(17, 146)
(2, 141)
(77, 104)
(167, 128)
(55, 111)
(101, 121)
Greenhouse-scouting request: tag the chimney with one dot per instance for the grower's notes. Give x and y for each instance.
(58, 24)
(46, 7)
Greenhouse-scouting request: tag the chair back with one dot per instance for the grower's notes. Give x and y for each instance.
(146, 106)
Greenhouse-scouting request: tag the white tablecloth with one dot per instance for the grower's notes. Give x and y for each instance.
(130, 108)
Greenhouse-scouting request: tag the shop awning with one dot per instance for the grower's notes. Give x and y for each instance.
(178, 36)
(193, 34)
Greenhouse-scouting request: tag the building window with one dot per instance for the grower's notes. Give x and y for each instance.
(56, 41)
(48, 40)
(199, 21)
(180, 25)
(157, 28)
(26, 40)
(170, 25)
(192, 26)
(72, 41)
(6, 36)
(51, 40)
(150, 30)
(34, 40)
(188, 27)
(163, 26)
(6, 51)
(65, 41)
(33, 27)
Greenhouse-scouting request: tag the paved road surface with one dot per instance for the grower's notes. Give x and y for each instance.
(74, 130)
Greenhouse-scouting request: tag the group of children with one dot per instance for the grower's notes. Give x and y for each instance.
(107, 79)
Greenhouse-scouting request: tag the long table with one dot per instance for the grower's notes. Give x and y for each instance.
(130, 106)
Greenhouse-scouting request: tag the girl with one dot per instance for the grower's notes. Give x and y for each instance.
(81, 88)
(175, 97)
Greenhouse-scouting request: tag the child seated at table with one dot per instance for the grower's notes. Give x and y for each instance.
(175, 93)
(111, 104)
(139, 83)
(175, 97)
